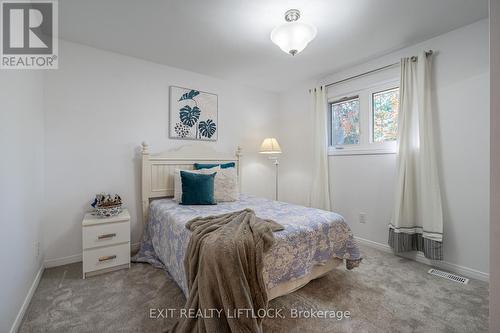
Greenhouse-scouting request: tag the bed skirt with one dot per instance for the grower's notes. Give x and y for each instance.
(285, 288)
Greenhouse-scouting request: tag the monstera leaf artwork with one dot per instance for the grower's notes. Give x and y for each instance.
(207, 128)
(193, 114)
(189, 116)
(189, 95)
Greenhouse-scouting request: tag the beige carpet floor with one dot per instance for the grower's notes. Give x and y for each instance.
(386, 294)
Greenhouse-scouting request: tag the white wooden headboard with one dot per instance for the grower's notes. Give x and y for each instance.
(158, 169)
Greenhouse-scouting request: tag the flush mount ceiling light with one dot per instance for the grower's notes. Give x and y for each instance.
(293, 36)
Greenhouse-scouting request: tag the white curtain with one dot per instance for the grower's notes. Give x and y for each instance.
(320, 192)
(417, 221)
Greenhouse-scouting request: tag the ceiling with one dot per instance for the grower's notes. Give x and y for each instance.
(229, 39)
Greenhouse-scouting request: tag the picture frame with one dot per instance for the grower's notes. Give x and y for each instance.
(193, 114)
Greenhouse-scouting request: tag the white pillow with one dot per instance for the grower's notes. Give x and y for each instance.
(226, 183)
(178, 184)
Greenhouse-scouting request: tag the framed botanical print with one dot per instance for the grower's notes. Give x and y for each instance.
(193, 114)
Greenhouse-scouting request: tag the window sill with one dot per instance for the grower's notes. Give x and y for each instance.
(360, 151)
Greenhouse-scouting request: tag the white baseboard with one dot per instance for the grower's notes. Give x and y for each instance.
(27, 300)
(63, 261)
(78, 258)
(417, 256)
(376, 245)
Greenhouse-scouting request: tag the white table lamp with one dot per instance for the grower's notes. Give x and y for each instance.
(271, 147)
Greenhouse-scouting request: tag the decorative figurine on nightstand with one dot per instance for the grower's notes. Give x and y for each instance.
(107, 205)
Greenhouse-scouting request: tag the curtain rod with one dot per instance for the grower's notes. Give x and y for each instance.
(413, 58)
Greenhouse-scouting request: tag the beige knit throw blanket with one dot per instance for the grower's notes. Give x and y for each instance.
(224, 263)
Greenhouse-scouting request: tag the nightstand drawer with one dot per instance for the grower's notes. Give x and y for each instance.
(106, 234)
(106, 257)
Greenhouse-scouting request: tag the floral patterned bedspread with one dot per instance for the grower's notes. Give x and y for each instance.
(311, 237)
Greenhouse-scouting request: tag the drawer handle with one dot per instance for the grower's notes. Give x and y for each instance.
(106, 236)
(106, 258)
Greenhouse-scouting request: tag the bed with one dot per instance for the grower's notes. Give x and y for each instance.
(313, 243)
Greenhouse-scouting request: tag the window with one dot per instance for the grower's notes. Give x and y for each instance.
(345, 121)
(385, 107)
(364, 121)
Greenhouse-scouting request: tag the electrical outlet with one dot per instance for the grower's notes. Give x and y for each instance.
(362, 218)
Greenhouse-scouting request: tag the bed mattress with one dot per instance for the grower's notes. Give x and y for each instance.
(311, 237)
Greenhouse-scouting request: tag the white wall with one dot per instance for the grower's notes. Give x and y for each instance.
(295, 139)
(21, 187)
(100, 106)
(495, 166)
(365, 183)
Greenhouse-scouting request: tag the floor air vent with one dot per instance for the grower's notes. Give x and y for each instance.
(448, 276)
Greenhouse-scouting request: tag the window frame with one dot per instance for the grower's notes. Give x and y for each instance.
(350, 97)
(366, 144)
(380, 89)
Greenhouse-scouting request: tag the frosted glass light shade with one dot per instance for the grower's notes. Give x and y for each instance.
(293, 37)
(270, 146)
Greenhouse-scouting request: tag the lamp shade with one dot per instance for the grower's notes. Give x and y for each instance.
(270, 146)
(293, 37)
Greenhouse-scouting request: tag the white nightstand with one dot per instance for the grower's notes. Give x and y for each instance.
(106, 243)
